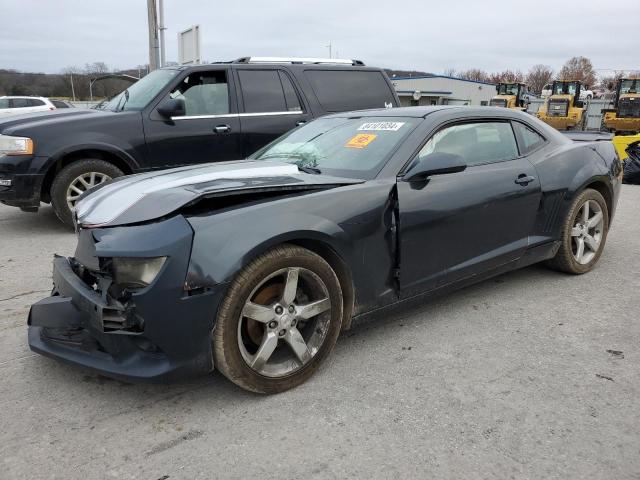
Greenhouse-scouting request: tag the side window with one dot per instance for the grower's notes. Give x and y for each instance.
(59, 104)
(262, 91)
(20, 102)
(529, 138)
(290, 95)
(34, 102)
(204, 93)
(4, 103)
(343, 90)
(476, 143)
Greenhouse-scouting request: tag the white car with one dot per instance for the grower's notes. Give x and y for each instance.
(585, 94)
(19, 105)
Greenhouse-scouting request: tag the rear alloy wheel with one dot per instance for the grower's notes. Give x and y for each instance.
(584, 234)
(75, 179)
(280, 319)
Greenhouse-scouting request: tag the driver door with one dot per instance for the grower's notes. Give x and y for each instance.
(457, 225)
(208, 132)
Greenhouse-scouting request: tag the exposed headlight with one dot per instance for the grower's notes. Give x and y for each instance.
(135, 273)
(15, 145)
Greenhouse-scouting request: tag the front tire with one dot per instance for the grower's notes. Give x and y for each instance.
(584, 234)
(279, 320)
(74, 179)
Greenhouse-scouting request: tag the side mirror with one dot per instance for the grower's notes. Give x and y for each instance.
(173, 107)
(497, 88)
(434, 164)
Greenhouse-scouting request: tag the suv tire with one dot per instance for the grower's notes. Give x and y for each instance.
(76, 178)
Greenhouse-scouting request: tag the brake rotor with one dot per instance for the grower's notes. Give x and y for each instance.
(265, 296)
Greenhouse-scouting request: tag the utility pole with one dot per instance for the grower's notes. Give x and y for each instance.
(73, 92)
(162, 28)
(154, 54)
(329, 47)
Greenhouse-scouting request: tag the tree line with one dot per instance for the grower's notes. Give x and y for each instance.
(576, 68)
(69, 83)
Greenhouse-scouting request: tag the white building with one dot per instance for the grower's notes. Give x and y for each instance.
(442, 90)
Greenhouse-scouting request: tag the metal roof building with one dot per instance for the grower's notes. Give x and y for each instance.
(442, 90)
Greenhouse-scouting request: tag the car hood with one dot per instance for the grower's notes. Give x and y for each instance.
(20, 123)
(147, 196)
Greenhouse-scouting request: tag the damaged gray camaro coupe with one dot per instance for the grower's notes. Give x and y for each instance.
(254, 267)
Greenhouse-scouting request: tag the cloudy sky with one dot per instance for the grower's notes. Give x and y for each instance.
(48, 35)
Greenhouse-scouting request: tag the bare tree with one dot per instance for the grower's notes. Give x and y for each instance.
(474, 74)
(508, 76)
(538, 76)
(450, 72)
(578, 68)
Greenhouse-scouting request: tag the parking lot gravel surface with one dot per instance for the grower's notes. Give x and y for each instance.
(533, 374)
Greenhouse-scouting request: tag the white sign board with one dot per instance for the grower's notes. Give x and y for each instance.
(189, 45)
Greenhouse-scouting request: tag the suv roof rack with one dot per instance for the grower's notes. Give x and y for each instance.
(299, 60)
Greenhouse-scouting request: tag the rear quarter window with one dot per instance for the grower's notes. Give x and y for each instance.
(343, 90)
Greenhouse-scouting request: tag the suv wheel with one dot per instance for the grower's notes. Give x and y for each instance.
(75, 179)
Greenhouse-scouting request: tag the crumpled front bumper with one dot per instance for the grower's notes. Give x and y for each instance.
(175, 342)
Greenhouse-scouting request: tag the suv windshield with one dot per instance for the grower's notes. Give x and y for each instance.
(138, 95)
(347, 147)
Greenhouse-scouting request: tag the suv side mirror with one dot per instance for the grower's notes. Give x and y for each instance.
(436, 163)
(173, 107)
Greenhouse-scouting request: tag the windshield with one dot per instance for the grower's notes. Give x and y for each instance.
(138, 95)
(508, 89)
(560, 88)
(345, 147)
(629, 86)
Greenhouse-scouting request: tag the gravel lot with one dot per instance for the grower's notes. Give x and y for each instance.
(534, 374)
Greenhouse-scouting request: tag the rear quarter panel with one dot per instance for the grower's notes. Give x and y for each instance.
(565, 170)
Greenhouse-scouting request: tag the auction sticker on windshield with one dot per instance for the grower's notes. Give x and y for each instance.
(384, 126)
(361, 140)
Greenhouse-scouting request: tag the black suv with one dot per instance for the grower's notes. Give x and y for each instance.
(176, 116)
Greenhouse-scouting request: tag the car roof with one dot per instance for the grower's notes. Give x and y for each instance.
(412, 112)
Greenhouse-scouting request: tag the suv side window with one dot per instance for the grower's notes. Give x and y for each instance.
(20, 102)
(264, 91)
(59, 104)
(530, 139)
(34, 102)
(4, 103)
(204, 93)
(290, 95)
(343, 90)
(477, 143)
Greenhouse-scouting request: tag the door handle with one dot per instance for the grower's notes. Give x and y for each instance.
(222, 129)
(301, 122)
(524, 180)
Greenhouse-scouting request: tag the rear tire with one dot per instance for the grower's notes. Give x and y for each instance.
(583, 234)
(74, 179)
(260, 313)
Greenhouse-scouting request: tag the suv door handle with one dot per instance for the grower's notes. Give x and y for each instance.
(222, 129)
(524, 180)
(301, 122)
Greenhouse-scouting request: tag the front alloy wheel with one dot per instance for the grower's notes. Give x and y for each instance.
(284, 322)
(281, 317)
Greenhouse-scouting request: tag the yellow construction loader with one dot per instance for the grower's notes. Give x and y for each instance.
(624, 119)
(563, 109)
(511, 95)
